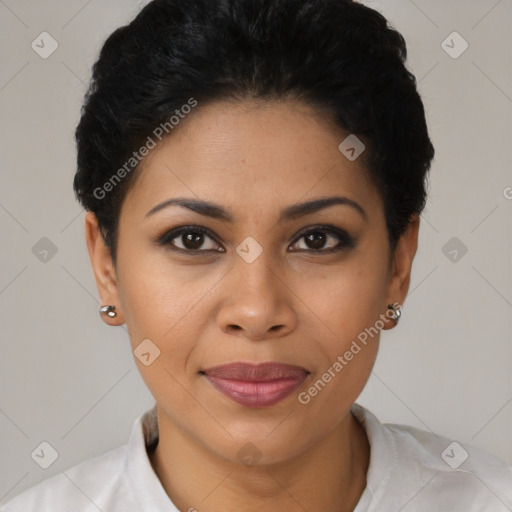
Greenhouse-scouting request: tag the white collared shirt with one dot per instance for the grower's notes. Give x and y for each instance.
(410, 470)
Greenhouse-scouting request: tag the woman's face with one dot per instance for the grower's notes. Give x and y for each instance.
(262, 286)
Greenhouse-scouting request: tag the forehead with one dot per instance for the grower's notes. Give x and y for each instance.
(252, 154)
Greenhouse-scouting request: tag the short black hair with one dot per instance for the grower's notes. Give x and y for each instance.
(339, 56)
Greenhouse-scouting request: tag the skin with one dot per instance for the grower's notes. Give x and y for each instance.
(290, 305)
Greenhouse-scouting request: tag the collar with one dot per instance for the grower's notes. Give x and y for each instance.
(383, 456)
(143, 480)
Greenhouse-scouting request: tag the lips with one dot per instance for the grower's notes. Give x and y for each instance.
(258, 385)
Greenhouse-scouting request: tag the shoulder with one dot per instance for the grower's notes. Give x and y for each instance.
(421, 469)
(85, 486)
(457, 474)
(119, 480)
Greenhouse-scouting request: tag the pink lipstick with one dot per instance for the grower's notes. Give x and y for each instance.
(256, 385)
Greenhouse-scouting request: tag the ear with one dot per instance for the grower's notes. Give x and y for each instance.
(401, 264)
(103, 268)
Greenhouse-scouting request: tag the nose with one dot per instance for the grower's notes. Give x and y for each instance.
(257, 302)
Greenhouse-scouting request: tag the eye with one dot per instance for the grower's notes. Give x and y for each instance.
(189, 239)
(316, 238)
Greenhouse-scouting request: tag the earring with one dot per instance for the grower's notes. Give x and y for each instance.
(394, 312)
(108, 310)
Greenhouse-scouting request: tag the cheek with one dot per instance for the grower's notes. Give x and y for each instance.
(346, 298)
(164, 302)
(161, 304)
(155, 293)
(345, 304)
(345, 319)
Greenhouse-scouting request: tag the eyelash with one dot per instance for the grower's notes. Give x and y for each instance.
(346, 241)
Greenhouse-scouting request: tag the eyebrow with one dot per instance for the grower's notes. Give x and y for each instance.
(292, 212)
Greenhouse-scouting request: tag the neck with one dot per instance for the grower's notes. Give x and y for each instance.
(328, 476)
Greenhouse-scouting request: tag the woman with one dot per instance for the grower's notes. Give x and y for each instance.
(254, 172)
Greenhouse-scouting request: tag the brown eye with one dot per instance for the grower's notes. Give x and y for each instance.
(189, 238)
(315, 240)
(321, 239)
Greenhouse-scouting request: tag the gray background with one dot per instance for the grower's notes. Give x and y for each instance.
(70, 380)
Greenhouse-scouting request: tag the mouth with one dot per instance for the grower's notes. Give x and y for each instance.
(256, 385)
